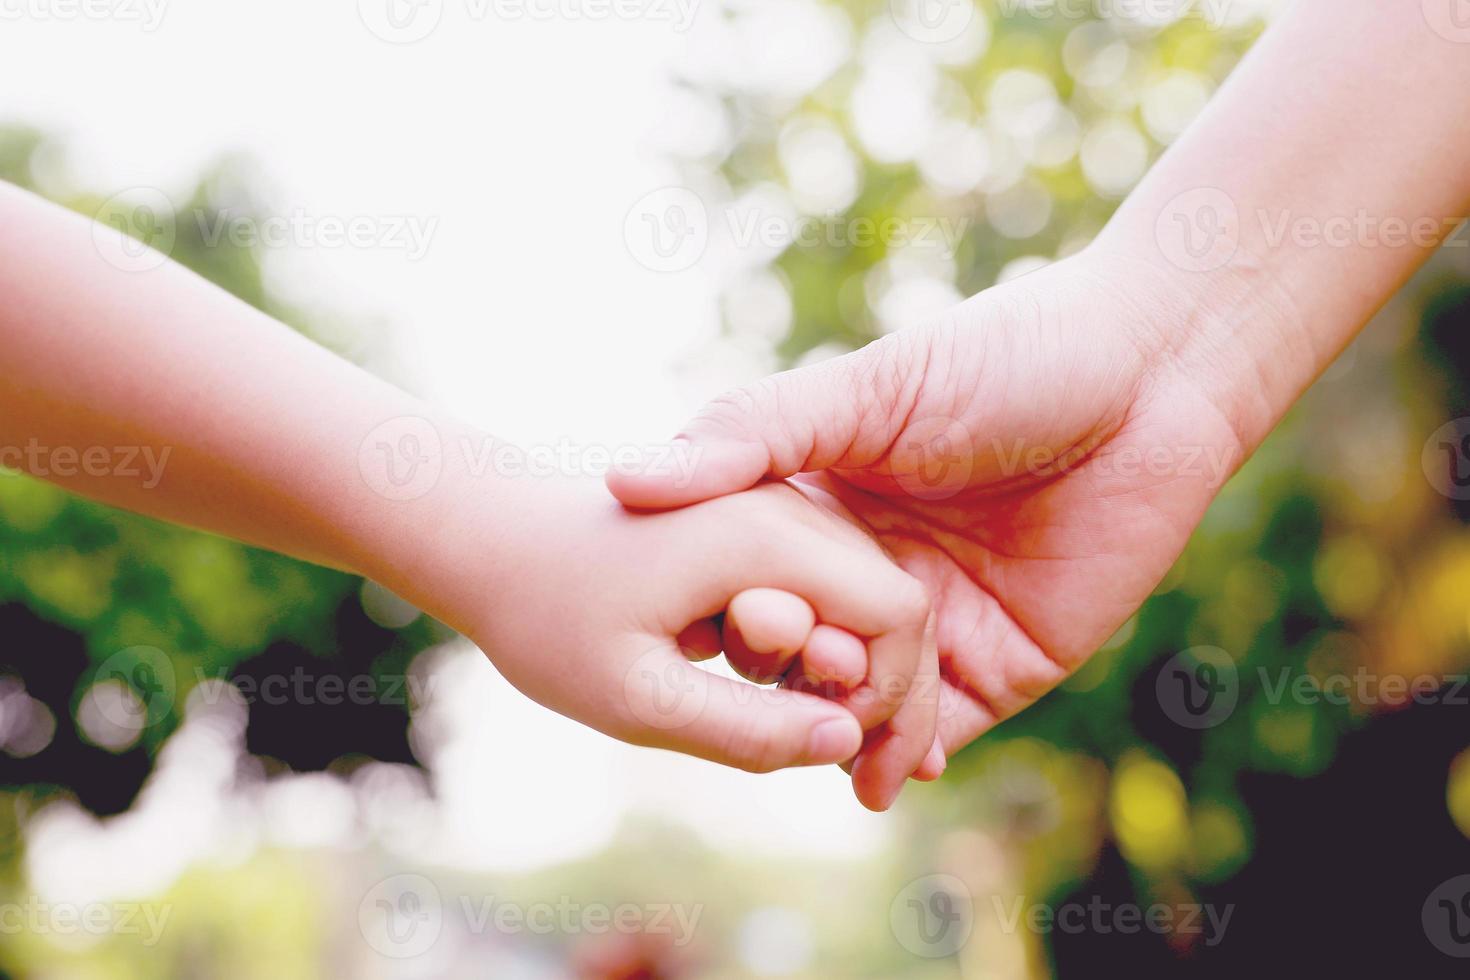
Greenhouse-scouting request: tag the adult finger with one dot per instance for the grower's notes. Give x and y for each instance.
(890, 756)
(803, 420)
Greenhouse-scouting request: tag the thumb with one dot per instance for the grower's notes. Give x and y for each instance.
(797, 421)
(675, 705)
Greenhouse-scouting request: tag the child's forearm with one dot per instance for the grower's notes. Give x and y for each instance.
(1327, 169)
(160, 393)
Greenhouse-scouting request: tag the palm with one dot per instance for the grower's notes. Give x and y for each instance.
(1040, 483)
(1036, 458)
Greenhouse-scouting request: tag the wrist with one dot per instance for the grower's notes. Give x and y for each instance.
(443, 527)
(1229, 332)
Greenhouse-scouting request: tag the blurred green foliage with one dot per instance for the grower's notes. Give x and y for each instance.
(1314, 565)
(122, 581)
(1328, 553)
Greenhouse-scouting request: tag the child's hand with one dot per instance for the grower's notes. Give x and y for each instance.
(578, 600)
(583, 605)
(768, 635)
(772, 636)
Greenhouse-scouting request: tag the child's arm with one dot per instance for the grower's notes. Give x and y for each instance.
(259, 425)
(266, 437)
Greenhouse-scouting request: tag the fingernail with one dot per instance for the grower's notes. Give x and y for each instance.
(936, 761)
(833, 740)
(932, 767)
(892, 797)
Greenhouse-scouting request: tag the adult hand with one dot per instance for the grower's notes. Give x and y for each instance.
(1037, 458)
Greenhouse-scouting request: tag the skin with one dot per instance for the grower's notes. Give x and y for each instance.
(769, 636)
(1004, 548)
(1039, 456)
(583, 563)
(995, 452)
(579, 601)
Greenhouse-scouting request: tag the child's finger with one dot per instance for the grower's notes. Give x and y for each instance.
(895, 752)
(763, 630)
(846, 579)
(700, 640)
(832, 660)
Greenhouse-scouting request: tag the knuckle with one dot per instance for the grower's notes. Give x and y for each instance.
(911, 601)
(730, 411)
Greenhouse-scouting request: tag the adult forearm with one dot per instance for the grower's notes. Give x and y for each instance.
(1326, 170)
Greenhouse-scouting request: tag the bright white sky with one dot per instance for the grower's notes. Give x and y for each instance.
(529, 142)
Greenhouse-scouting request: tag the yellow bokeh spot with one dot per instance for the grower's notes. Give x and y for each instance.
(1286, 733)
(212, 578)
(1287, 738)
(1150, 812)
(76, 586)
(28, 505)
(1350, 576)
(1458, 792)
(1440, 601)
(1221, 844)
